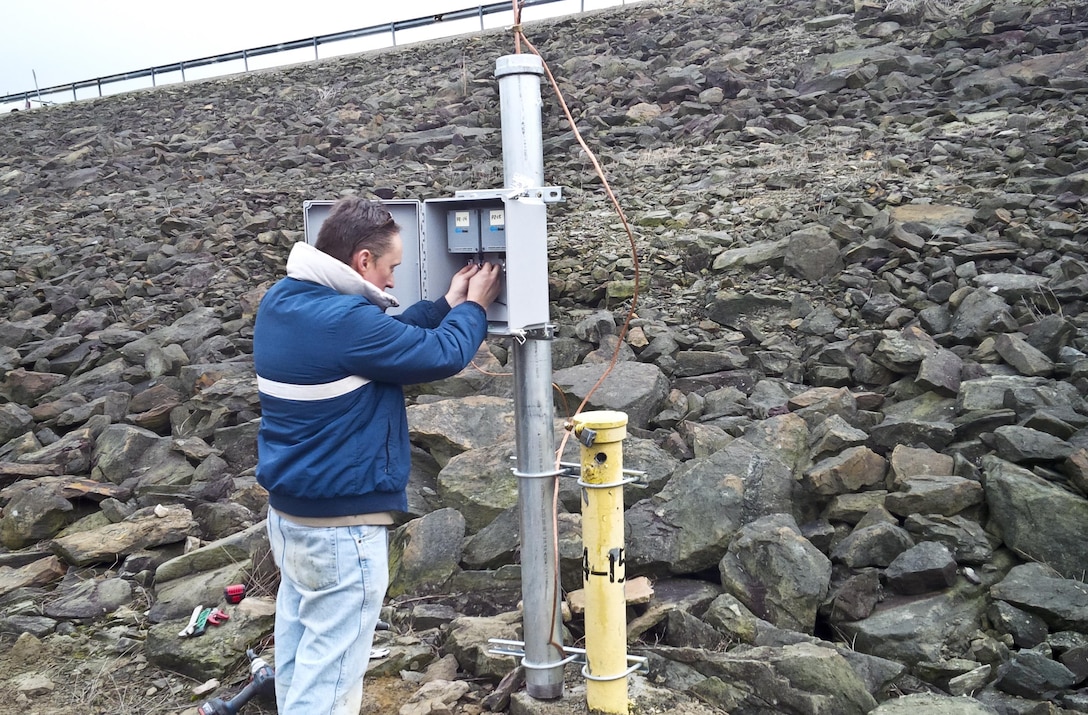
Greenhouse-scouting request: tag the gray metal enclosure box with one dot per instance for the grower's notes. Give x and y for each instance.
(406, 213)
(519, 244)
(505, 228)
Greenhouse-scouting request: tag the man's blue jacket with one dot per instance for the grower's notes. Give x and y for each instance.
(330, 364)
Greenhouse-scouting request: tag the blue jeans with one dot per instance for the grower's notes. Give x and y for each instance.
(332, 582)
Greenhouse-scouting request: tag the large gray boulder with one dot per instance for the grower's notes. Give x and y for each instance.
(921, 628)
(776, 572)
(687, 526)
(634, 388)
(424, 553)
(791, 679)
(448, 427)
(1036, 518)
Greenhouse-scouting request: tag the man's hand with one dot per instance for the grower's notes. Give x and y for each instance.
(458, 292)
(484, 285)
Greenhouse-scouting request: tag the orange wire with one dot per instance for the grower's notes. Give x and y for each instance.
(489, 374)
(517, 26)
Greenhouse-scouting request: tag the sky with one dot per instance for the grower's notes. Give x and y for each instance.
(64, 41)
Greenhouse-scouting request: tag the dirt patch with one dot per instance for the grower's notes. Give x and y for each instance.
(386, 695)
(63, 675)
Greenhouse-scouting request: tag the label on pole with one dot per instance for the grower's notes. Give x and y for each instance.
(616, 562)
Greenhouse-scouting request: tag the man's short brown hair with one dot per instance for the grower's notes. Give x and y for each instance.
(353, 224)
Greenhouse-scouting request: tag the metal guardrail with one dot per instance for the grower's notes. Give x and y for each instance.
(480, 11)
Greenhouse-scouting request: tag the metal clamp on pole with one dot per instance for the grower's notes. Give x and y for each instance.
(574, 655)
(609, 485)
(604, 569)
(538, 475)
(637, 663)
(517, 650)
(575, 470)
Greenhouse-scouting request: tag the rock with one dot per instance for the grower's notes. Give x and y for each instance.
(666, 598)
(1033, 516)
(479, 484)
(1030, 674)
(616, 392)
(931, 704)
(89, 598)
(177, 598)
(753, 256)
(33, 684)
(1023, 356)
(854, 469)
(1061, 602)
(123, 452)
(728, 307)
(14, 421)
(221, 552)
(926, 566)
(686, 527)
(977, 315)
(813, 254)
(141, 530)
(468, 638)
(424, 553)
(965, 538)
(1023, 444)
(934, 495)
(221, 650)
(1026, 629)
(948, 619)
(875, 545)
(37, 573)
(434, 697)
(774, 544)
(446, 428)
(782, 671)
(32, 515)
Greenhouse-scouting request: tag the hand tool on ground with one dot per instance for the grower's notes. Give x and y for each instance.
(218, 616)
(263, 680)
(191, 629)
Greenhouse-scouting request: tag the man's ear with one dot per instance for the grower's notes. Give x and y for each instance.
(361, 260)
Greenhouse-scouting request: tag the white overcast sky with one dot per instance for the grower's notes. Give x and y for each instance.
(64, 41)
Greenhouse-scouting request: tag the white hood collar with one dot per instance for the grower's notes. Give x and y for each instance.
(307, 263)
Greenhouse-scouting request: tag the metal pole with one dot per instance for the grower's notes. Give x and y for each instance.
(523, 167)
(522, 122)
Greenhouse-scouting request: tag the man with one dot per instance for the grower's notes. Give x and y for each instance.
(333, 443)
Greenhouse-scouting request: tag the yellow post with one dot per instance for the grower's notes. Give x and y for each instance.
(604, 568)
